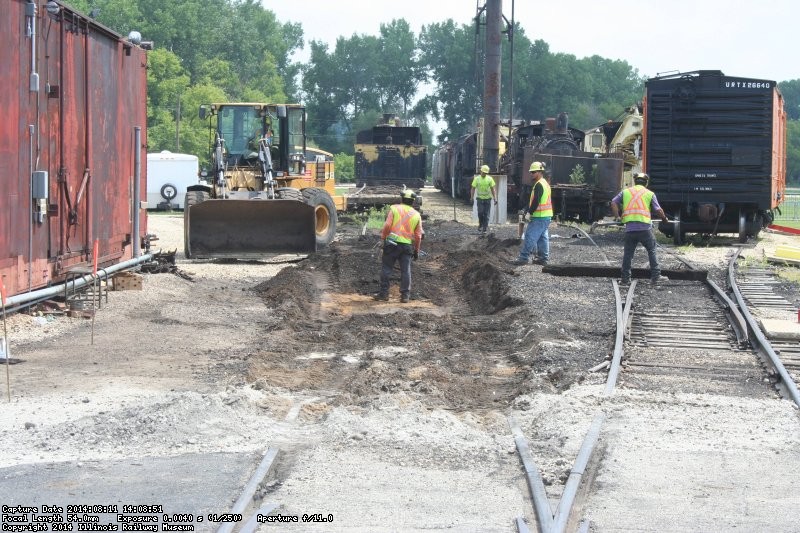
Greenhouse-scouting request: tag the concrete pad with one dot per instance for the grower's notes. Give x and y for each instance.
(780, 329)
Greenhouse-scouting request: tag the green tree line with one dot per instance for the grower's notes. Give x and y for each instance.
(237, 50)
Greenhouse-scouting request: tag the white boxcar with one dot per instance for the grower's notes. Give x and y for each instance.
(168, 175)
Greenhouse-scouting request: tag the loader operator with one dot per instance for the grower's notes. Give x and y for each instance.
(637, 202)
(402, 237)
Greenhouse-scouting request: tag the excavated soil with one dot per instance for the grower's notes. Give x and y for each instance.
(446, 345)
(477, 334)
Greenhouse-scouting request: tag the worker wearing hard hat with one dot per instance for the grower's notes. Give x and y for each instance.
(402, 237)
(636, 204)
(540, 211)
(484, 187)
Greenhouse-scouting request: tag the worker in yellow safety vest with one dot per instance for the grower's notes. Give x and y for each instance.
(540, 211)
(635, 204)
(483, 187)
(402, 238)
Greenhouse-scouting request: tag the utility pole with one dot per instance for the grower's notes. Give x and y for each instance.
(491, 84)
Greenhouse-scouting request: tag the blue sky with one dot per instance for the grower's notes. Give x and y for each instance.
(752, 39)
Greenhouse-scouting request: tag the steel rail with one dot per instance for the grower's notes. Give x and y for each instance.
(252, 523)
(622, 321)
(738, 322)
(760, 340)
(541, 504)
(250, 489)
(522, 527)
(677, 257)
(576, 474)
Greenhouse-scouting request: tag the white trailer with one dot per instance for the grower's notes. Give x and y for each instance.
(168, 176)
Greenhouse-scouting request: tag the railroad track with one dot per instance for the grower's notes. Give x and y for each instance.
(785, 382)
(682, 328)
(757, 285)
(676, 336)
(688, 334)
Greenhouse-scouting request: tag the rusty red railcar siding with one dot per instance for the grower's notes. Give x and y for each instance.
(76, 124)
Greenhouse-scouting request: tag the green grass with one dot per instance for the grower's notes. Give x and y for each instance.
(374, 218)
(752, 261)
(158, 213)
(790, 274)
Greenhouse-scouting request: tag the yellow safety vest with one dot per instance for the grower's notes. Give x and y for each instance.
(636, 204)
(545, 207)
(404, 221)
(483, 186)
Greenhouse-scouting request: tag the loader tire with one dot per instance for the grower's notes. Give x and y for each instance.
(192, 198)
(324, 214)
(289, 193)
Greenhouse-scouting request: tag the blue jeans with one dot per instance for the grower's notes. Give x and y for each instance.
(537, 239)
(648, 240)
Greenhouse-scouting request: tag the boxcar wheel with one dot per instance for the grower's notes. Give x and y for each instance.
(678, 236)
(742, 226)
(324, 214)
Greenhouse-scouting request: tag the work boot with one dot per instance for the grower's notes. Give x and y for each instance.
(381, 297)
(404, 299)
(540, 261)
(658, 279)
(625, 281)
(519, 262)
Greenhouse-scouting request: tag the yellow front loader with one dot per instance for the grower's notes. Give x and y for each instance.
(267, 194)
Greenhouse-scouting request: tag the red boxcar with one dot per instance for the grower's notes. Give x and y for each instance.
(73, 93)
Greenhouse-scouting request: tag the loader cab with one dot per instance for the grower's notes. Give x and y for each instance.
(242, 126)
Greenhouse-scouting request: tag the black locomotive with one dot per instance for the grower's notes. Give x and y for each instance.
(583, 183)
(390, 155)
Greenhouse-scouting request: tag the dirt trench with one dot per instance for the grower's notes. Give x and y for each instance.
(451, 347)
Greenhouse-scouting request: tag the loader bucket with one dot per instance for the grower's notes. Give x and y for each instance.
(249, 228)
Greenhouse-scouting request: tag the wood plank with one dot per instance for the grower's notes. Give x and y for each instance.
(600, 271)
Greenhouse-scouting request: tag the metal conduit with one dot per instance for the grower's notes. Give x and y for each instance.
(137, 185)
(791, 386)
(21, 300)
